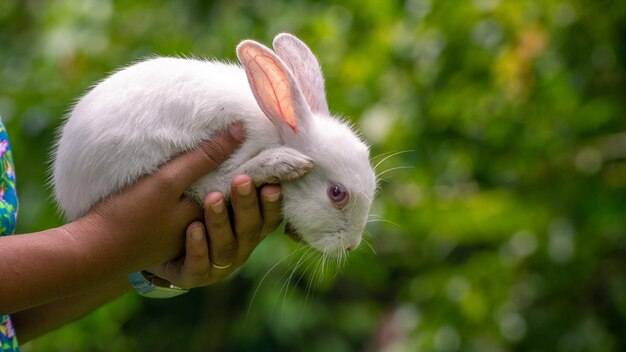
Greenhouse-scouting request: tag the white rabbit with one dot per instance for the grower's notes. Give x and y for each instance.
(143, 115)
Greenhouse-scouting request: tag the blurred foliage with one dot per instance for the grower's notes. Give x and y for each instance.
(501, 227)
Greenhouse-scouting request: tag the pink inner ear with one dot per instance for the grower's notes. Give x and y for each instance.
(270, 84)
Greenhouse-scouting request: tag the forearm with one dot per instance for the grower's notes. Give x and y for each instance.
(32, 323)
(47, 266)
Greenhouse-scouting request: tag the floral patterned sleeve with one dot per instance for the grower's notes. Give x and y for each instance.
(8, 217)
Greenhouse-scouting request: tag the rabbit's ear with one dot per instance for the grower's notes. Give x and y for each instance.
(273, 86)
(305, 68)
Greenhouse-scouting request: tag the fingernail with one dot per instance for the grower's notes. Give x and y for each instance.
(218, 207)
(244, 189)
(237, 131)
(272, 197)
(197, 233)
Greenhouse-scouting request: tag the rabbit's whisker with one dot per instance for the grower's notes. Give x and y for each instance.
(390, 156)
(394, 169)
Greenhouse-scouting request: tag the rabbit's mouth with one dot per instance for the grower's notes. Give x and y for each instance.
(291, 232)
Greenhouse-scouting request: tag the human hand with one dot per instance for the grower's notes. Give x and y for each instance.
(218, 247)
(144, 224)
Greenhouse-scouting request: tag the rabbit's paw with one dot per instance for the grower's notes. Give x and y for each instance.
(277, 165)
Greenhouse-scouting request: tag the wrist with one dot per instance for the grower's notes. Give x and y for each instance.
(102, 247)
(124, 248)
(152, 286)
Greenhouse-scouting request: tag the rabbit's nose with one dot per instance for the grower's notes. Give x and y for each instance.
(352, 246)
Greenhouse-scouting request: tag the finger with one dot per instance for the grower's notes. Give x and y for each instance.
(222, 243)
(271, 208)
(183, 170)
(247, 215)
(196, 263)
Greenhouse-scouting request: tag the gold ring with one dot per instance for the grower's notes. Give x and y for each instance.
(221, 267)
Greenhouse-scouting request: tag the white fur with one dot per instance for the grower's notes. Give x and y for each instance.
(141, 116)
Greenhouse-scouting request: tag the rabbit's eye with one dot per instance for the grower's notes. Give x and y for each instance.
(338, 195)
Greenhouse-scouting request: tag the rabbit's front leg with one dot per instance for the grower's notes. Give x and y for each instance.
(276, 165)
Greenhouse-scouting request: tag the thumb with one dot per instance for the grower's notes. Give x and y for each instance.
(186, 168)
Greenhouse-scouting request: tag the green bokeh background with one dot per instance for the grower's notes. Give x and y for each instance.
(502, 228)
